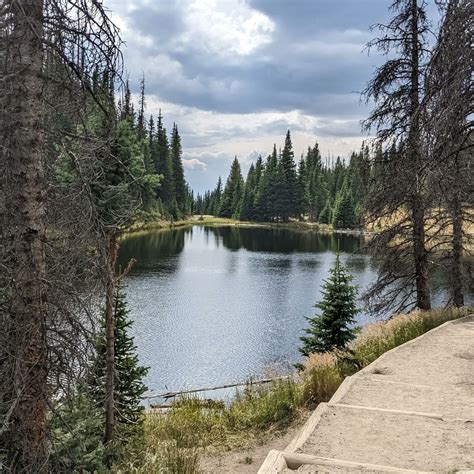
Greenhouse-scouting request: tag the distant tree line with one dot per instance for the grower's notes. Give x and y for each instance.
(277, 190)
(160, 156)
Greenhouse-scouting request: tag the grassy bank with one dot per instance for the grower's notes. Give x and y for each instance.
(175, 439)
(210, 221)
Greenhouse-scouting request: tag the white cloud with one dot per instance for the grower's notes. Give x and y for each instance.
(226, 28)
(202, 60)
(194, 163)
(246, 135)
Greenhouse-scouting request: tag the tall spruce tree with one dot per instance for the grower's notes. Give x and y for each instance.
(179, 182)
(141, 128)
(301, 204)
(315, 185)
(162, 160)
(233, 192)
(265, 202)
(258, 171)
(333, 328)
(127, 107)
(150, 137)
(344, 212)
(338, 174)
(288, 183)
(216, 199)
(247, 210)
(325, 216)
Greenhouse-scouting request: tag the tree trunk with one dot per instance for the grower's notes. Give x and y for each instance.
(423, 298)
(110, 340)
(417, 205)
(24, 233)
(457, 283)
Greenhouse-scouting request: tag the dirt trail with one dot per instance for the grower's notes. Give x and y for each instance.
(412, 410)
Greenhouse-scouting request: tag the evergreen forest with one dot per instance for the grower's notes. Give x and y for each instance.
(278, 189)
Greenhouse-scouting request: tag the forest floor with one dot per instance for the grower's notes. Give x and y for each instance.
(250, 459)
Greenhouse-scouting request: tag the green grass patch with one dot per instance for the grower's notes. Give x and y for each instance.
(156, 222)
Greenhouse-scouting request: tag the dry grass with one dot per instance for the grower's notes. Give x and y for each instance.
(175, 439)
(437, 229)
(380, 337)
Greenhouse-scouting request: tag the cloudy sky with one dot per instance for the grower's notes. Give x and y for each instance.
(236, 74)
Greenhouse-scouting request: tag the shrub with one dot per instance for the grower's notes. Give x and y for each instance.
(76, 433)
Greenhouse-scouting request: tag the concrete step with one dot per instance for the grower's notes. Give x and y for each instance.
(415, 441)
(379, 391)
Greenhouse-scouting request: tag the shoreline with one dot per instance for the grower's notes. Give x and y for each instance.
(211, 221)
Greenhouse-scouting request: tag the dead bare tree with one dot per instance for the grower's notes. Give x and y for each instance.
(400, 200)
(24, 231)
(48, 51)
(449, 131)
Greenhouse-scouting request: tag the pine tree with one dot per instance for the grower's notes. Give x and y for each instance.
(129, 374)
(338, 175)
(325, 217)
(258, 171)
(162, 160)
(248, 200)
(127, 108)
(148, 147)
(141, 130)
(151, 129)
(344, 214)
(398, 116)
(301, 207)
(179, 182)
(215, 199)
(315, 185)
(287, 192)
(333, 328)
(77, 436)
(233, 192)
(265, 201)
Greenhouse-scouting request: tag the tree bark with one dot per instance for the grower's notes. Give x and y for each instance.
(423, 297)
(417, 206)
(457, 242)
(23, 217)
(110, 339)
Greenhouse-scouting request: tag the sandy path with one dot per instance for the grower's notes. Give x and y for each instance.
(412, 410)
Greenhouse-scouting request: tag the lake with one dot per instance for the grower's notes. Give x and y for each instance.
(215, 305)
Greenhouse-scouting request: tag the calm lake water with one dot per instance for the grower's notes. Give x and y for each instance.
(215, 305)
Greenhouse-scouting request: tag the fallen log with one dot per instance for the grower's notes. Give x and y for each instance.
(206, 403)
(167, 395)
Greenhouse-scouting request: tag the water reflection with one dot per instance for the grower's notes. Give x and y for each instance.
(149, 248)
(215, 305)
(257, 239)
